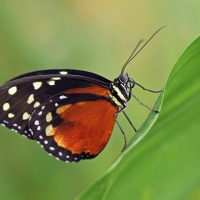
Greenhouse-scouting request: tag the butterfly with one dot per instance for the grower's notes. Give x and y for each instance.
(71, 113)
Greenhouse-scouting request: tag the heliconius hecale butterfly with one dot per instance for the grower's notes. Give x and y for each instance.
(71, 113)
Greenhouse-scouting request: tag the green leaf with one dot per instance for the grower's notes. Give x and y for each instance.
(165, 164)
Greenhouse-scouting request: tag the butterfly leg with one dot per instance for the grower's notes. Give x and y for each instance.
(153, 91)
(125, 141)
(130, 121)
(156, 111)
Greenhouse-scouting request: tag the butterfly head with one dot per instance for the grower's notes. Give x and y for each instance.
(127, 84)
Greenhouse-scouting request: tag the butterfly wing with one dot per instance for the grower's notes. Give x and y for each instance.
(73, 126)
(63, 73)
(20, 96)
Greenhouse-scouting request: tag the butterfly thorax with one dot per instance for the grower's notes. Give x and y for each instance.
(121, 89)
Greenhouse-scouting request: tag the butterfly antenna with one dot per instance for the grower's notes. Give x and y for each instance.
(130, 57)
(133, 54)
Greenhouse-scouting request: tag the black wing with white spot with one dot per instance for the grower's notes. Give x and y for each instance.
(20, 96)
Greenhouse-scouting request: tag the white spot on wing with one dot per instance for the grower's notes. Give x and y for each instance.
(6, 106)
(52, 148)
(55, 78)
(40, 113)
(49, 117)
(36, 104)
(63, 72)
(40, 137)
(62, 97)
(11, 115)
(37, 85)
(60, 153)
(48, 129)
(12, 90)
(36, 122)
(30, 99)
(51, 82)
(26, 116)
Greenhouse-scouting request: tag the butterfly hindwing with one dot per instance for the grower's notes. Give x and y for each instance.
(73, 126)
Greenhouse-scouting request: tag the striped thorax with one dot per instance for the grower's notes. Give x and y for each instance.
(120, 92)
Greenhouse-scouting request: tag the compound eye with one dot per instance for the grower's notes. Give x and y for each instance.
(130, 84)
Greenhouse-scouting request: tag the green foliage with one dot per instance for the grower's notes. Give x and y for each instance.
(166, 163)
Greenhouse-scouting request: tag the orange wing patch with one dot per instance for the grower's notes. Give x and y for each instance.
(86, 126)
(92, 89)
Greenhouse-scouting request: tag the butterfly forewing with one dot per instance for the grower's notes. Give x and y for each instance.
(23, 94)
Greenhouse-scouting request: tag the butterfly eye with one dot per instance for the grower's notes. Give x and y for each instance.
(130, 84)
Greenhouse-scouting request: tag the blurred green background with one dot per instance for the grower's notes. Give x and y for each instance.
(93, 36)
